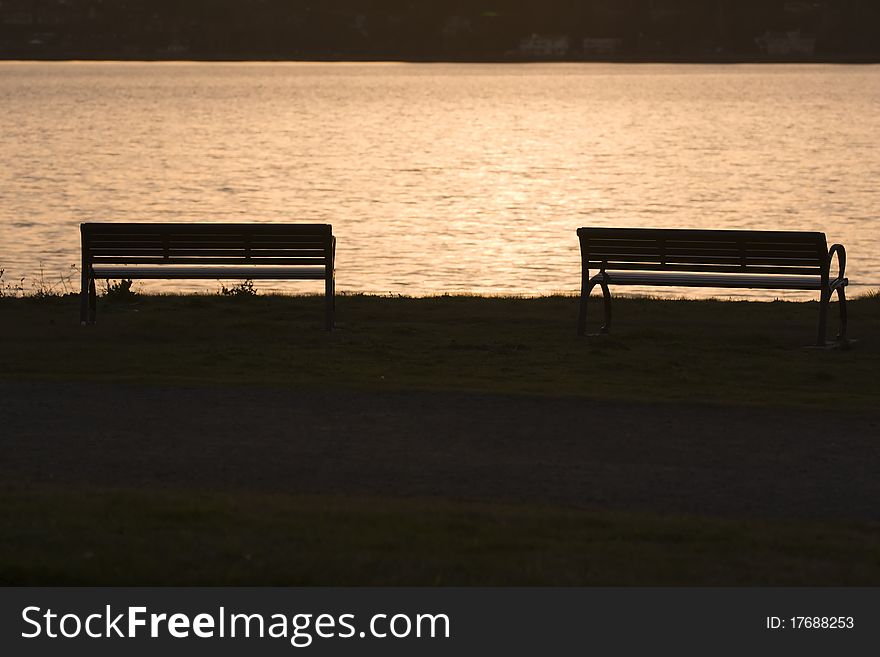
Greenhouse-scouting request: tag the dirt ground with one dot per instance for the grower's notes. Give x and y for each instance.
(750, 462)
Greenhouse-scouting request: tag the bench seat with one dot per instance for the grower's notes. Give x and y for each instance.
(252, 272)
(758, 281)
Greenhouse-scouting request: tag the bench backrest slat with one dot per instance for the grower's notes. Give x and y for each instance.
(207, 244)
(720, 251)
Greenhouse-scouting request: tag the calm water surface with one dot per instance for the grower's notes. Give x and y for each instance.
(437, 178)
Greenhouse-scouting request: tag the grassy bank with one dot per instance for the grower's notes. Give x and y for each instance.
(126, 537)
(729, 353)
(712, 351)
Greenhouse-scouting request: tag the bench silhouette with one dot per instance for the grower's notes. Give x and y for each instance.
(780, 260)
(212, 251)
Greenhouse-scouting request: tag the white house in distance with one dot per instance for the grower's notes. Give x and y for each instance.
(601, 46)
(786, 44)
(545, 45)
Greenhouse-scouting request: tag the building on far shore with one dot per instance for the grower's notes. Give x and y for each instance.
(800, 7)
(601, 46)
(786, 44)
(544, 45)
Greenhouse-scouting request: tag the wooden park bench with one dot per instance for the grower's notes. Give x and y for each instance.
(206, 251)
(770, 260)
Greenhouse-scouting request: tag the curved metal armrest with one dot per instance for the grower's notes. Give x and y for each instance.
(841, 279)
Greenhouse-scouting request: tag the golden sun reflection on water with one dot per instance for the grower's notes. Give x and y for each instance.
(439, 178)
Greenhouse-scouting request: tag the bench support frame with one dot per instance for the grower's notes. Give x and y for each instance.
(327, 258)
(827, 288)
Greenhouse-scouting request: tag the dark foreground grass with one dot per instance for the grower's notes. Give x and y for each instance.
(710, 351)
(127, 537)
(714, 351)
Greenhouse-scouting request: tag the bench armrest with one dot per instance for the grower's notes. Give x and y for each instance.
(841, 279)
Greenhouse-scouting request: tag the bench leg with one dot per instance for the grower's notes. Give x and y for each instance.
(84, 300)
(93, 302)
(606, 299)
(329, 304)
(582, 313)
(823, 316)
(606, 303)
(841, 301)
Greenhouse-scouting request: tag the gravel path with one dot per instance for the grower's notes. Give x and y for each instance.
(640, 456)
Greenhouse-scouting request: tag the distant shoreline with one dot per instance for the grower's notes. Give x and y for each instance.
(78, 57)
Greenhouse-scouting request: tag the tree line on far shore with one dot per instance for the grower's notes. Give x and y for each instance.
(440, 29)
